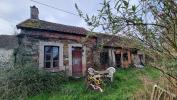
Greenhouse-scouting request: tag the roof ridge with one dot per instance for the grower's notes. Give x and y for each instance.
(58, 23)
(52, 26)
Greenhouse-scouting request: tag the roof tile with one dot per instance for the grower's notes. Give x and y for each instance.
(44, 25)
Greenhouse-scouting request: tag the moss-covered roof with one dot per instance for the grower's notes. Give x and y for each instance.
(103, 39)
(44, 25)
(109, 40)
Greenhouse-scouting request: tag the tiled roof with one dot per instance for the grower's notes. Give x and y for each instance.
(44, 25)
(115, 41)
(8, 41)
(103, 39)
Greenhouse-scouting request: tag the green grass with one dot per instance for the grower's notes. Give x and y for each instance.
(126, 83)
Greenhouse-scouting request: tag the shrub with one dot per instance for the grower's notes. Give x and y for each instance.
(21, 82)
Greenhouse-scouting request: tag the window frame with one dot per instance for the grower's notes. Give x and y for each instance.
(41, 54)
(51, 57)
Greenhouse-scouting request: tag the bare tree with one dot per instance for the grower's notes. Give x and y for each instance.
(151, 22)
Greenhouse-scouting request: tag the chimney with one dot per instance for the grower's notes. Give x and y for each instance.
(34, 12)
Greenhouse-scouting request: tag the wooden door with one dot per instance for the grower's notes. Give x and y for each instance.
(76, 61)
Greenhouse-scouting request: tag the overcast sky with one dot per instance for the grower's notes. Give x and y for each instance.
(13, 12)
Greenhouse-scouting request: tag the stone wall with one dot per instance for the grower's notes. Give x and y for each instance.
(30, 40)
(5, 57)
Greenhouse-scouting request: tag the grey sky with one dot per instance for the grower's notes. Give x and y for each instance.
(13, 12)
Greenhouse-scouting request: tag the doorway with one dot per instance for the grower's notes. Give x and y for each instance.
(118, 60)
(76, 61)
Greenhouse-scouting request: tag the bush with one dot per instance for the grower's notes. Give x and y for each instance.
(22, 82)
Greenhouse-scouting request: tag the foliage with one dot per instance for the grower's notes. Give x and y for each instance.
(151, 22)
(20, 82)
(24, 77)
(125, 85)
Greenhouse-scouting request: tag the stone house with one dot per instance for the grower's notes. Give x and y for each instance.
(56, 47)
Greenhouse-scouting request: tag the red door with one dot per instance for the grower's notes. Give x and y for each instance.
(77, 61)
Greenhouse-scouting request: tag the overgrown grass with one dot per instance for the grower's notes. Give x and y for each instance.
(20, 82)
(126, 83)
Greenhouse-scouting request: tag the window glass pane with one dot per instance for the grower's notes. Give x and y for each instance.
(48, 49)
(55, 53)
(47, 57)
(47, 65)
(55, 64)
(51, 54)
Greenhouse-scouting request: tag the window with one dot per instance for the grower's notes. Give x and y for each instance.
(104, 57)
(125, 56)
(51, 56)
